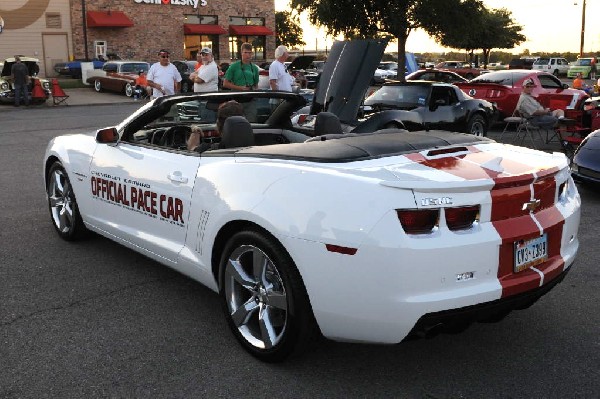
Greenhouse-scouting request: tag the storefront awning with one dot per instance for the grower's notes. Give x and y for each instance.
(108, 19)
(200, 29)
(250, 30)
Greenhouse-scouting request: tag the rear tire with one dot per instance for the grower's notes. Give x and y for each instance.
(477, 126)
(129, 90)
(556, 73)
(264, 298)
(97, 86)
(62, 204)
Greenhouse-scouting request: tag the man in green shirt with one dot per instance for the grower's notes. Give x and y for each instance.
(242, 75)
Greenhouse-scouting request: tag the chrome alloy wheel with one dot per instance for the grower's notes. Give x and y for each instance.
(62, 201)
(255, 297)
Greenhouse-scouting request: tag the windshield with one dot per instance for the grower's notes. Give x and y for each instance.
(505, 78)
(541, 61)
(409, 96)
(135, 67)
(584, 62)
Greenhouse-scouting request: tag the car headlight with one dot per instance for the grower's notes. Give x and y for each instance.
(46, 85)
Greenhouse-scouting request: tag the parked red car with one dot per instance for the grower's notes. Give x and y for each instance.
(503, 88)
(436, 75)
(464, 69)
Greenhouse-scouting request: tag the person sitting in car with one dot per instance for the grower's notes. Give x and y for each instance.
(227, 109)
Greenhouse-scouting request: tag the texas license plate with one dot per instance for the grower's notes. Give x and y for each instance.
(530, 253)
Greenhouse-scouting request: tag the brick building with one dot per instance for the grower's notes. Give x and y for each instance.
(60, 30)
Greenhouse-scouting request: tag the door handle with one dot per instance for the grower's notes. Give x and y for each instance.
(177, 177)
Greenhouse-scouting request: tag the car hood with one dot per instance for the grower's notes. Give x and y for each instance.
(346, 77)
(301, 62)
(32, 65)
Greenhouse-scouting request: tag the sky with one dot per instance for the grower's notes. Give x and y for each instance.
(548, 25)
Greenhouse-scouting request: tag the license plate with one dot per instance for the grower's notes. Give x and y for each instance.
(530, 253)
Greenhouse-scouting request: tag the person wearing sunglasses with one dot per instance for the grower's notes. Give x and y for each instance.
(163, 77)
(242, 75)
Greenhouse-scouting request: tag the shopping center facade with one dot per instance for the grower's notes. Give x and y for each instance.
(61, 30)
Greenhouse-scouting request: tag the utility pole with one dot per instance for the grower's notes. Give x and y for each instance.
(582, 30)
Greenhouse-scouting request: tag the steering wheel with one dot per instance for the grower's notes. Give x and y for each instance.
(176, 137)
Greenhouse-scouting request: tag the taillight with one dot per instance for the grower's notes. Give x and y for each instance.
(461, 218)
(418, 221)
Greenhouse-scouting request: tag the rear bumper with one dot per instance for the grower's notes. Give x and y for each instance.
(454, 320)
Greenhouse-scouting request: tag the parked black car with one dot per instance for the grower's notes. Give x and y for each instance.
(585, 167)
(415, 105)
(521, 63)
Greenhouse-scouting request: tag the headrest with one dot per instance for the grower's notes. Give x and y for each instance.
(237, 132)
(327, 123)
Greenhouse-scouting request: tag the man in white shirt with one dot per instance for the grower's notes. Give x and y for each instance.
(206, 78)
(163, 77)
(279, 78)
(529, 107)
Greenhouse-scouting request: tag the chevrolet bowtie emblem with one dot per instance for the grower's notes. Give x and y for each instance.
(531, 205)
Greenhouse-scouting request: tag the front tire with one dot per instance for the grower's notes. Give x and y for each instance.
(264, 298)
(62, 204)
(477, 126)
(97, 86)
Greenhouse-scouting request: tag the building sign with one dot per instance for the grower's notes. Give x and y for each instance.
(193, 3)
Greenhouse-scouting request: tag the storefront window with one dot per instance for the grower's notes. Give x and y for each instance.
(194, 43)
(256, 21)
(201, 19)
(258, 45)
(258, 42)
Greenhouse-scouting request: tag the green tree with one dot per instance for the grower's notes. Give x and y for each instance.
(289, 32)
(477, 27)
(378, 18)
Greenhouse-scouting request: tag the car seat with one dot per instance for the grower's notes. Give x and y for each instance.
(237, 132)
(327, 123)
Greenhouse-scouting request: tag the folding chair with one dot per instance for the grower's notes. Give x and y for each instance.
(516, 120)
(569, 142)
(524, 128)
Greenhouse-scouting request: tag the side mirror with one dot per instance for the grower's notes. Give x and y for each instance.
(565, 86)
(107, 135)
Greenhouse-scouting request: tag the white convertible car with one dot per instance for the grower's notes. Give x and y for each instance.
(369, 237)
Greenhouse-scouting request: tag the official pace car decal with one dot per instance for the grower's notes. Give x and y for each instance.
(136, 196)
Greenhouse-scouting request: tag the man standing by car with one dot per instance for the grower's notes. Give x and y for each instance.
(206, 77)
(242, 75)
(20, 76)
(279, 78)
(163, 77)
